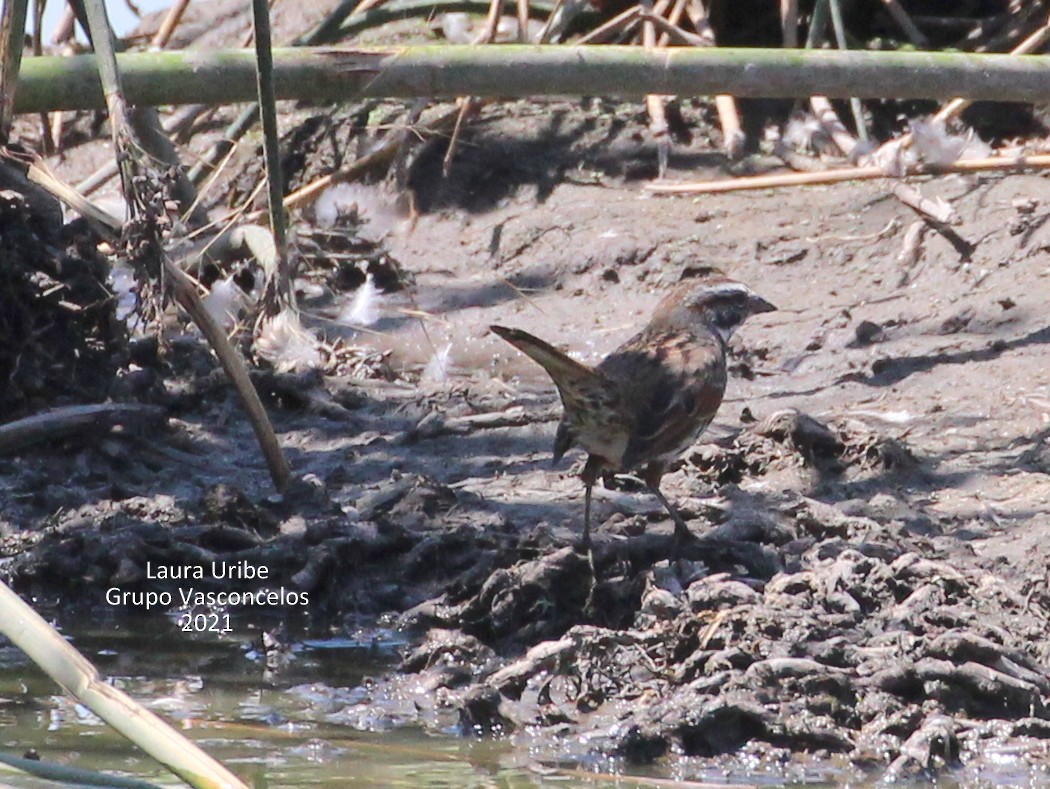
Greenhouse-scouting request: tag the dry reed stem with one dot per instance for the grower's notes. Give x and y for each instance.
(617, 24)
(871, 172)
(64, 29)
(171, 21)
(832, 125)
(654, 104)
(548, 25)
(733, 138)
(488, 33)
(789, 23)
(671, 33)
(671, 28)
(523, 21)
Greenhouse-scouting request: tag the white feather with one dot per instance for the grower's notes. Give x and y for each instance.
(224, 302)
(437, 368)
(364, 309)
(286, 344)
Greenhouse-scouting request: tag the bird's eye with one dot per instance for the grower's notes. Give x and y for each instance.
(726, 319)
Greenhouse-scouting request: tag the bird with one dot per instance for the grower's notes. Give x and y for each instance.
(651, 398)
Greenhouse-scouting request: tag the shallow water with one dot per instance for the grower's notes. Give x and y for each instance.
(290, 725)
(299, 721)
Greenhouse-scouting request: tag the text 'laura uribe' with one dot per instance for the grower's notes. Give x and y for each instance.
(216, 571)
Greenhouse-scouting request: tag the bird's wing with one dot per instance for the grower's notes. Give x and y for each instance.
(672, 386)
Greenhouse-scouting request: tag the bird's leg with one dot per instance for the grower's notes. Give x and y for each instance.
(652, 476)
(585, 541)
(589, 477)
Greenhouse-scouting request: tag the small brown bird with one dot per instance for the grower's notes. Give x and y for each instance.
(652, 397)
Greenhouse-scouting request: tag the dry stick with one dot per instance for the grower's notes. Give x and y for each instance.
(523, 21)
(871, 172)
(64, 29)
(186, 295)
(658, 127)
(167, 27)
(467, 104)
(937, 209)
(87, 420)
(900, 16)
(789, 23)
(669, 27)
(548, 26)
(366, 5)
(670, 33)
(607, 30)
(488, 33)
(832, 126)
(733, 138)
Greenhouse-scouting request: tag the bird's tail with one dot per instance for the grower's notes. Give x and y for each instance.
(568, 374)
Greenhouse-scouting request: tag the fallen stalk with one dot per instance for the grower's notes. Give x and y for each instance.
(991, 163)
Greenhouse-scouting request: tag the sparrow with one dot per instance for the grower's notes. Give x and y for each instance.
(651, 398)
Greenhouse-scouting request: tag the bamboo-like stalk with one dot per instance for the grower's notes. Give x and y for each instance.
(12, 38)
(278, 293)
(750, 183)
(838, 25)
(47, 649)
(324, 74)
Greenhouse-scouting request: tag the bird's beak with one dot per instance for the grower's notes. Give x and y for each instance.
(759, 304)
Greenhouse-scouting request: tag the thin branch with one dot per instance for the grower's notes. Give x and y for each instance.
(748, 183)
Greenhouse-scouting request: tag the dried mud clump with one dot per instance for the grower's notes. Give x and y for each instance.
(59, 336)
(790, 438)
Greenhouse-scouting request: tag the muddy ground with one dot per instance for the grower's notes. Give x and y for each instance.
(869, 585)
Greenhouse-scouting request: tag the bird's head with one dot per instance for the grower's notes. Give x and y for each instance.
(711, 300)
